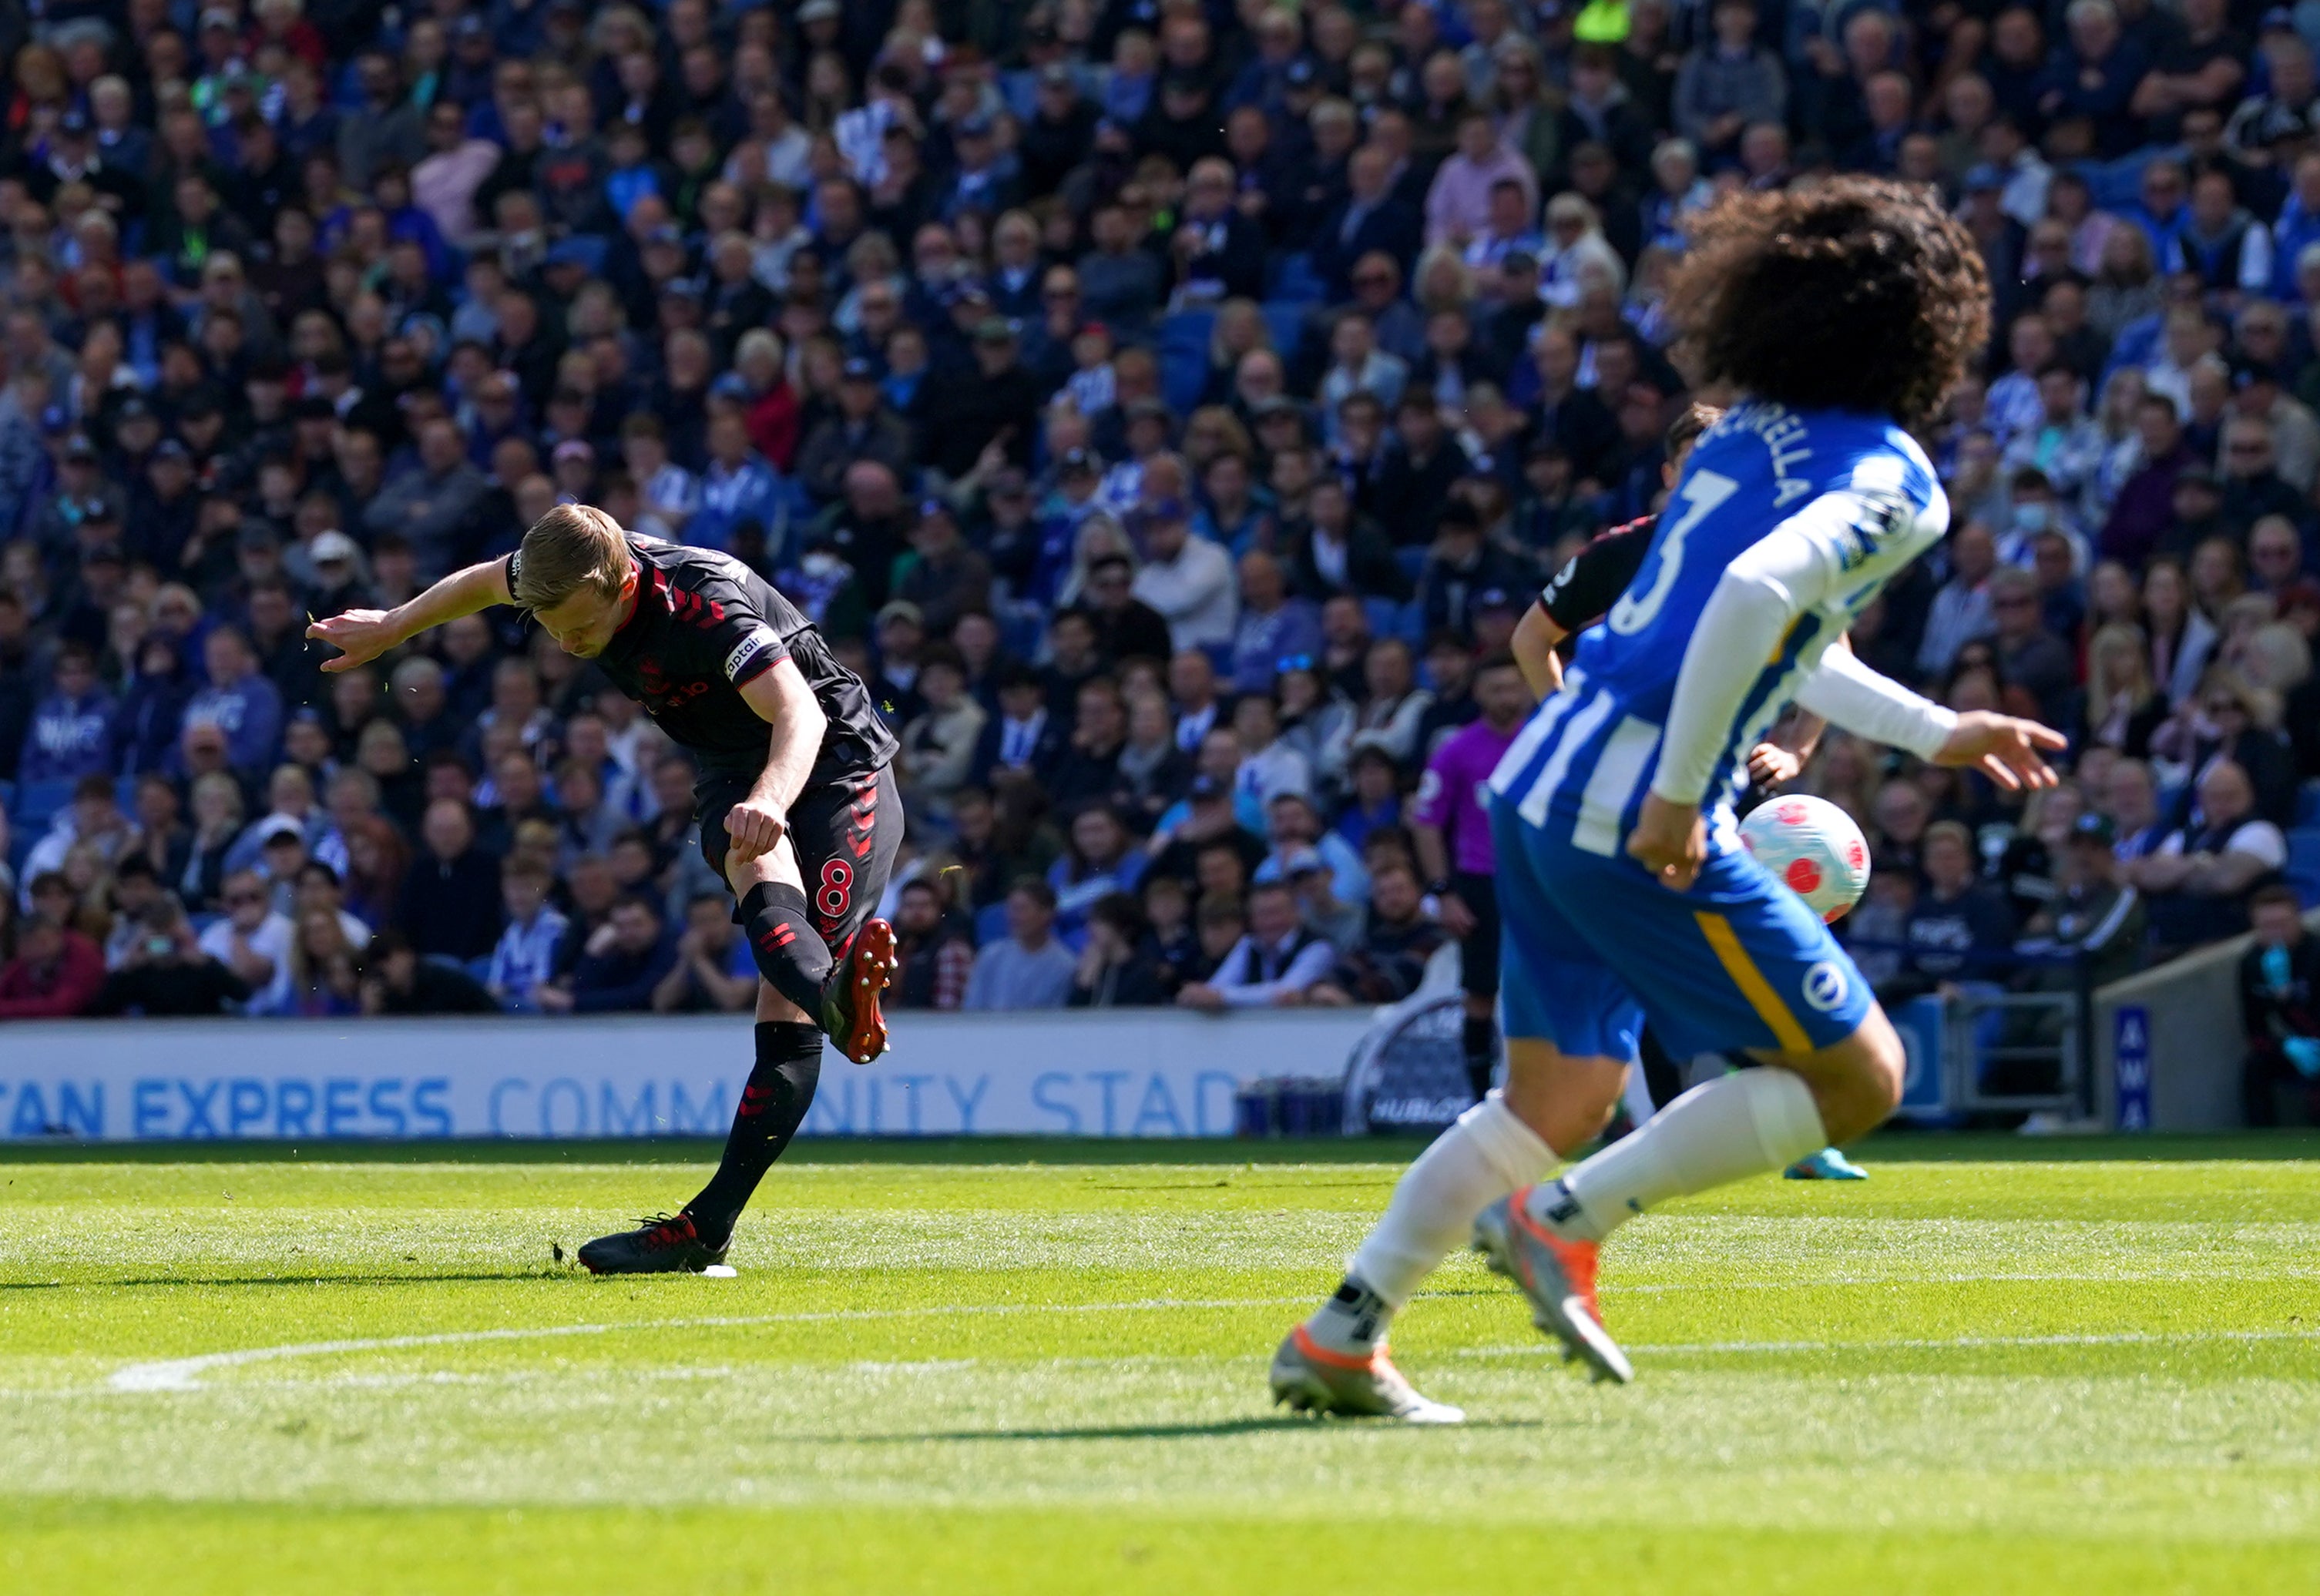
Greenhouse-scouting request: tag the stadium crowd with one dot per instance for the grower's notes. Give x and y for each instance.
(1168, 407)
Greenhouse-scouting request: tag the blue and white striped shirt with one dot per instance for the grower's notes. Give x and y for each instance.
(1811, 514)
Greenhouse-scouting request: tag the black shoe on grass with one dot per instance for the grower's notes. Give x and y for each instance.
(665, 1244)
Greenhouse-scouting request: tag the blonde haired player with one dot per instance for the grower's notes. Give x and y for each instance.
(796, 806)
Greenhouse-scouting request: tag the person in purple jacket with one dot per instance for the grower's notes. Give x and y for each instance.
(239, 700)
(1452, 830)
(71, 731)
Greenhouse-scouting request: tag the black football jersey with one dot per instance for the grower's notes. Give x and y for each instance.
(706, 626)
(1592, 580)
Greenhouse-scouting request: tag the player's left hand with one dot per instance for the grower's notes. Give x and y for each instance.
(1671, 841)
(1771, 765)
(753, 828)
(2003, 747)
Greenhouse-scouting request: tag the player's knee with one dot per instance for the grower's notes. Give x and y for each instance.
(1565, 1101)
(773, 1007)
(1887, 1066)
(1865, 1088)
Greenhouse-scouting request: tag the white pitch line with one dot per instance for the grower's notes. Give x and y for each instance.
(1927, 1343)
(182, 1374)
(1811, 1283)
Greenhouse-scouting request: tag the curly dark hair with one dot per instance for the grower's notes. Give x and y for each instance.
(1855, 294)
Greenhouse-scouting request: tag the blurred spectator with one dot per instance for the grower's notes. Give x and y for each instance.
(2095, 916)
(1273, 626)
(1276, 963)
(2279, 1004)
(169, 974)
(939, 746)
(252, 939)
(936, 956)
(237, 701)
(525, 956)
(1397, 939)
(1187, 579)
(1120, 965)
(93, 819)
(1959, 929)
(71, 730)
(1099, 860)
(1028, 967)
(619, 965)
(55, 975)
(449, 904)
(2031, 658)
(2197, 880)
(714, 972)
(323, 969)
(397, 981)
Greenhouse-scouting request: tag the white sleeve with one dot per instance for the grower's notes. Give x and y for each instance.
(1847, 539)
(1848, 693)
(1785, 573)
(2261, 840)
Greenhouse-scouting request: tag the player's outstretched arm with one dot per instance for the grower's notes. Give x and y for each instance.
(363, 635)
(2004, 747)
(2007, 749)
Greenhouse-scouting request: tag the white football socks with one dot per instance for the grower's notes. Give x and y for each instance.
(1744, 1124)
(1486, 1155)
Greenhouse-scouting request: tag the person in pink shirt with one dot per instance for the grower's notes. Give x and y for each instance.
(1458, 204)
(1452, 829)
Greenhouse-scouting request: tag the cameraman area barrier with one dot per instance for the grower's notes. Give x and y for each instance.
(2160, 1050)
(2168, 1043)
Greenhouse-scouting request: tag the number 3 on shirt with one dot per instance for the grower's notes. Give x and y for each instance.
(1702, 492)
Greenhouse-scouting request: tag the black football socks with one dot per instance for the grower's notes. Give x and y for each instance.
(773, 1106)
(790, 953)
(1480, 1041)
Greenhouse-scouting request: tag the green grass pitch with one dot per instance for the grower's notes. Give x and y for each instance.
(1030, 1368)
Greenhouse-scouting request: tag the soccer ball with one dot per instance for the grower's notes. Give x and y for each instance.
(1814, 848)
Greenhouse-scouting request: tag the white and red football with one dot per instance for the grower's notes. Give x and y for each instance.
(1814, 848)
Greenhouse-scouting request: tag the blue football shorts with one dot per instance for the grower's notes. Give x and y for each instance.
(1593, 947)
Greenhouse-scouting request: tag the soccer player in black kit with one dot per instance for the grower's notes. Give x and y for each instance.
(797, 807)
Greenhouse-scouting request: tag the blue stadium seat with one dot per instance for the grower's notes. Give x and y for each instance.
(1220, 657)
(2304, 864)
(1412, 561)
(1021, 630)
(1295, 282)
(7, 797)
(1184, 358)
(1286, 324)
(1410, 625)
(1383, 615)
(2118, 185)
(990, 923)
(2308, 803)
(37, 803)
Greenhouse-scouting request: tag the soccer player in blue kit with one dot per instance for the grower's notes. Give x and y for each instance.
(1838, 316)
